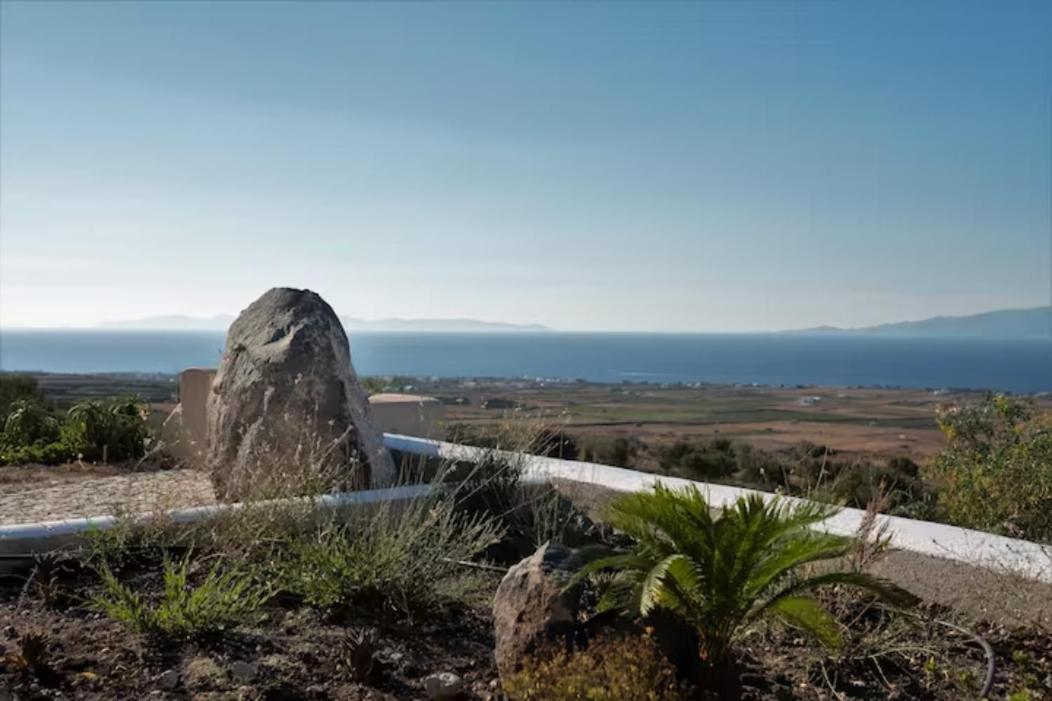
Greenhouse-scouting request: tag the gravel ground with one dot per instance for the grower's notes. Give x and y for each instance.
(140, 492)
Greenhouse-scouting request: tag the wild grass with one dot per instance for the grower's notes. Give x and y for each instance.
(407, 556)
(227, 597)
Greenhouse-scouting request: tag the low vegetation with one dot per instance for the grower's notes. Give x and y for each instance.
(226, 598)
(994, 474)
(996, 471)
(626, 668)
(371, 601)
(722, 572)
(405, 556)
(34, 431)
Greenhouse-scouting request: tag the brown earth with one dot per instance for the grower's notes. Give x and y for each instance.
(863, 422)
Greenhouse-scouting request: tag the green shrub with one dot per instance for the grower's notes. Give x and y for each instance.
(858, 485)
(14, 388)
(28, 423)
(29, 433)
(405, 555)
(226, 598)
(712, 460)
(995, 473)
(720, 573)
(609, 669)
(619, 452)
(758, 467)
(46, 454)
(114, 430)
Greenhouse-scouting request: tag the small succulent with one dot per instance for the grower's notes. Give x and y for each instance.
(359, 655)
(31, 655)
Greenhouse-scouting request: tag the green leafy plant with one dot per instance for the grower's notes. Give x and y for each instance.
(29, 433)
(226, 598)
(27, 423)
(723, 572)
(622, 668)
(14, 387)
(114, 430)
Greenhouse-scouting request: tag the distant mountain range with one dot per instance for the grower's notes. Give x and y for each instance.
(1035, 323)
(221, 322)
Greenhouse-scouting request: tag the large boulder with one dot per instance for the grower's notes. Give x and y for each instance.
(286, 414)
(532, 609)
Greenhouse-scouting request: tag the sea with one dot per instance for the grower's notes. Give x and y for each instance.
(764, 359)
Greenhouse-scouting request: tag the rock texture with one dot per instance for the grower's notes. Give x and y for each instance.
(444, 686)
(286, 414)
(531, 608)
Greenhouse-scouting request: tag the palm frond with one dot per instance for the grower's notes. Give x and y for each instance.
(881, 588)
(722, 571)
(787, 556)
(671, 584)
(807, 614)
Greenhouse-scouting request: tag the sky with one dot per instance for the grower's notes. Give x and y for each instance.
(700, 166)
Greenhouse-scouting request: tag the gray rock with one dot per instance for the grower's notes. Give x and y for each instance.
(243, 671)
(286, 413)
(169, 679)
(444, 686)
(531, 608)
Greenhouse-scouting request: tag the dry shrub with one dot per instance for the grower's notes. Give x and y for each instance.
(994, 473)
(408, 556)
(611, 667)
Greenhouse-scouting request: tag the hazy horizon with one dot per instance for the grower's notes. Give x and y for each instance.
(222, 320)
(702, 167)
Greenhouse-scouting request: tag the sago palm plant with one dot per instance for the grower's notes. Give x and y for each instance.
(722, 572)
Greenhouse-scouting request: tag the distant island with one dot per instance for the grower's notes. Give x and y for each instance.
(1012, 324)
(1034, 323)
(221, 322)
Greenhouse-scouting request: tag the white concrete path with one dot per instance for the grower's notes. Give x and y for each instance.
(970, 547)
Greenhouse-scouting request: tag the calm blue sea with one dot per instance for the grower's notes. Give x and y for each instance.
(1018, 366)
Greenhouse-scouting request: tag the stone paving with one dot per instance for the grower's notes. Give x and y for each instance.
(134, 493)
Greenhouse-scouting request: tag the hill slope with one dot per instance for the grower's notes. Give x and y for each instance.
(1034, 323)
(220, 322)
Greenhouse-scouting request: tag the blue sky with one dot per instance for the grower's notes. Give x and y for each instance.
(694, 166)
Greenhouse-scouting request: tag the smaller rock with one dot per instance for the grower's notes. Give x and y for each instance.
(532, 607)
(243, 671)
(444, 686)
(169, 679)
